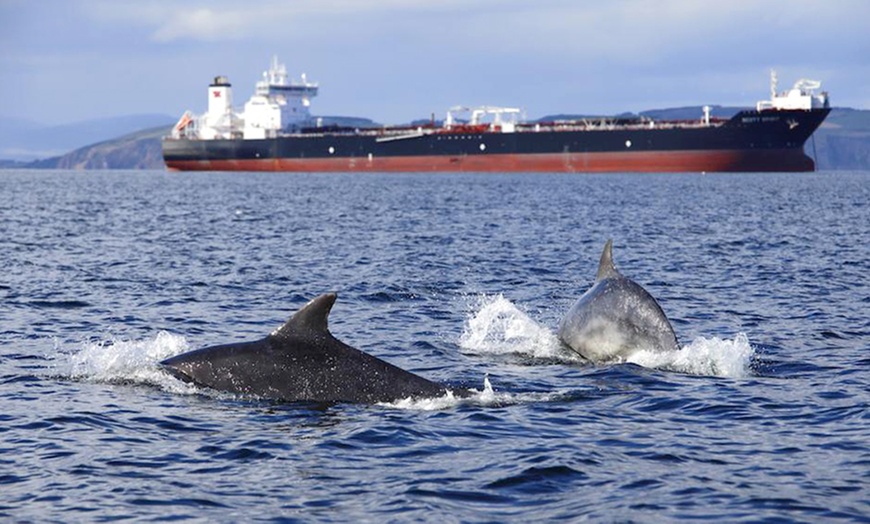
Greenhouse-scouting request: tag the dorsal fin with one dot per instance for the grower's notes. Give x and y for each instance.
(314, 316)
(606, 269)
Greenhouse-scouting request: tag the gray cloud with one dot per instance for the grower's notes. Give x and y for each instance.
(394, 60)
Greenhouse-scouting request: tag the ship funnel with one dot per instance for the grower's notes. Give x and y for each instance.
(220, 97)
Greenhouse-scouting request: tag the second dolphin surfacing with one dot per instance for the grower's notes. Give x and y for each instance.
(615, 318)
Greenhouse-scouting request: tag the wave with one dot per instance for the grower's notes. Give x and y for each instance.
(486, 397)
(497, 326)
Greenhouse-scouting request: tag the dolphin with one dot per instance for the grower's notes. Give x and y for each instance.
(615, 317)
(301, 361)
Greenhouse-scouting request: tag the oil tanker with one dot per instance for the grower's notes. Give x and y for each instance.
(276, 132)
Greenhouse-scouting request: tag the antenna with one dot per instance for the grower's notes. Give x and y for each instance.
(773, 82)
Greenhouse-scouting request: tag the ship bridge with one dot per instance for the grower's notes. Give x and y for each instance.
(278, 104)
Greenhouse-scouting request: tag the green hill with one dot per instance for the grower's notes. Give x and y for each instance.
(139, 150)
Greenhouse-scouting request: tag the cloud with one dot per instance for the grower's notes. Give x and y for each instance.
(639, 32)
(231, 20)
(634, 33)
(399, 59)
(204, 24)
(169, 21)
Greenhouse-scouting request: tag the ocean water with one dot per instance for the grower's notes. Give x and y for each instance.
(761, 416)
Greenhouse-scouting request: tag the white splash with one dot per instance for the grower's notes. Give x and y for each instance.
(500, 327)
(126, 361)
(704, 356)
(486, 397)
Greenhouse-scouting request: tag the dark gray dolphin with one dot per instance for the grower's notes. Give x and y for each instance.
(615, 317)
(301, 361)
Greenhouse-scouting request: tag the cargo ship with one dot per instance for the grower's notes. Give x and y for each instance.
(275, 131)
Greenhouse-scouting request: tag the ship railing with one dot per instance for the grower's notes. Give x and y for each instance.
(385, 132)
(597, 125)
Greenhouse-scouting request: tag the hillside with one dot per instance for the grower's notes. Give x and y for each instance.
(139, 150)
(25, 141)
(841, 143)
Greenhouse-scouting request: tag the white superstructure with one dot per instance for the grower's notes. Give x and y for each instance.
(800, 96)
(278, 104)
(502, 119)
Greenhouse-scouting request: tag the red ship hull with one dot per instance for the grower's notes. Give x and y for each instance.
(790, 159)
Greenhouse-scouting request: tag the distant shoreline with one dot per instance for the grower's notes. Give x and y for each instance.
(841, 143)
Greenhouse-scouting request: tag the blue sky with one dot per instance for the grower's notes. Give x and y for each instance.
(63, 61)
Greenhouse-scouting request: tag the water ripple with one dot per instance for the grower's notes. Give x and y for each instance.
(762, 416)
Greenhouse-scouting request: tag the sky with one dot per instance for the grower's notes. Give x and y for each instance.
(63, 61)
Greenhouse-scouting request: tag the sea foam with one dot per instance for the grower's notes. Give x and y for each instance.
(129, 361)
(497, 326)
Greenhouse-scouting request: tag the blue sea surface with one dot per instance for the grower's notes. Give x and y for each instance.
(461, 278)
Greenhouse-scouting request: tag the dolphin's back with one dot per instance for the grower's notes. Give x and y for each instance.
(320, 370)
(615, 317)
(328, 368)
(301, 361)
